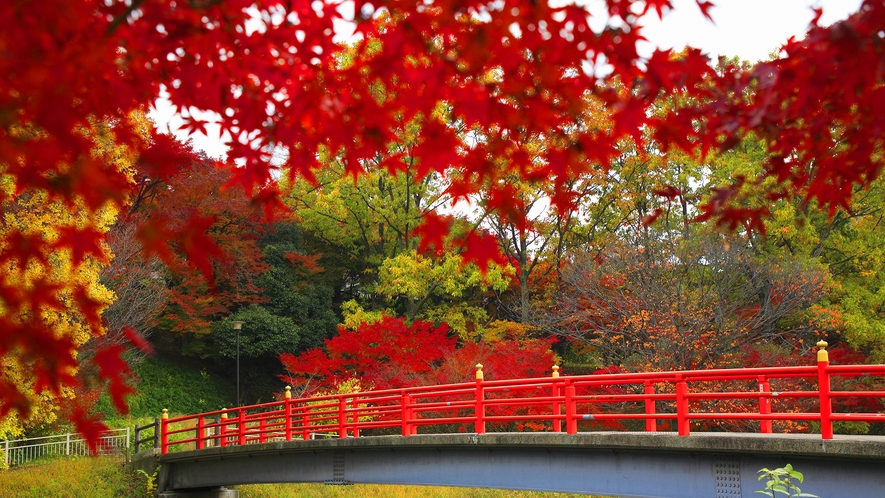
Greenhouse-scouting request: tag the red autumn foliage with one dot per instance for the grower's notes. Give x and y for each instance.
(386, 354)
(198, 227)
(390, 354)
(70, 67)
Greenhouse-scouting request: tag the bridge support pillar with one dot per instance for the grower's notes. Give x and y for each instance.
(221, 492)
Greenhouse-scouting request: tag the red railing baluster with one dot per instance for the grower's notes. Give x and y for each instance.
(200, 434)
(764, 405)
(354, 405)
(305, 422)
(406, 413)
(223, 429)
(571, 416)
(241, 421)
(651, 424)
(262, 429)
(342, 417)
(823, 389)
(682, 422)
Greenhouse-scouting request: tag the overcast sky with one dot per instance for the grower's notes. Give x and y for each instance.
(750, 29)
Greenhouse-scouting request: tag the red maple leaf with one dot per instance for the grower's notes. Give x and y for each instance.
(190, 125)
(438, 150)
(481, 249)
(155, 235)
(90, 308)
(12, 398)
(504, 199)
(21, 248)
(138, 340)
(433, 230)
(113, 368)
(90, 427)
(81, 242)
(43, 295)
(705, 5)
(198, 246)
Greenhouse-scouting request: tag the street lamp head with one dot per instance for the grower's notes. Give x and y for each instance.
(237, 324)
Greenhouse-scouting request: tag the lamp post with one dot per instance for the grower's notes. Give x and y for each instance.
(238, 325)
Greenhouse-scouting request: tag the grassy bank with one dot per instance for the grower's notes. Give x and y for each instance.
(70, 478)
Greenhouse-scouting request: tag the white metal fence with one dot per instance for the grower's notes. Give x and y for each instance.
(114, 442)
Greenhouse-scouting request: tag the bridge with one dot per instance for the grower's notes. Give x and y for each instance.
(683, 434)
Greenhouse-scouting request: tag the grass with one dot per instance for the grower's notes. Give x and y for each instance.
(78, 477)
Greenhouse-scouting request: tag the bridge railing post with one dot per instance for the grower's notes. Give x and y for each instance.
(241, 427)
(823, 389)
(262, 430)
(764, 405)
(571, 409)
(287, 407)
(164, 432)
(222, 429)
(355, 408)
(556, 391)
(201, 432)
(479, 409)
(651, 424)
(305, 422)
(342, 417)
(682, 423)
(406, 413)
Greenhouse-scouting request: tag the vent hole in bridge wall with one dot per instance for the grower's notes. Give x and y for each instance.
(728, 477)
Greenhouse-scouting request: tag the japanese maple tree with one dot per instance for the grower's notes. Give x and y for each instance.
(385, 354)
(390, 353)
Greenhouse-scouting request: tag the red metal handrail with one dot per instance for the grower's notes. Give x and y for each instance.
(544, 401)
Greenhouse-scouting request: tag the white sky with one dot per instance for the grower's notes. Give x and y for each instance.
(750, 29)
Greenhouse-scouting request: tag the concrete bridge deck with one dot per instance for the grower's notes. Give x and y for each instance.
(704, 465)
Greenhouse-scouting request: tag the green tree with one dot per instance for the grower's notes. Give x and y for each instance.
(295, 314)
(366, 219)
(442, 288)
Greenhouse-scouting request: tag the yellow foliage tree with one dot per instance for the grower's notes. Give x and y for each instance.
(63, 275)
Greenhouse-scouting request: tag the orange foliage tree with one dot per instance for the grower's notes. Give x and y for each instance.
(702, 302)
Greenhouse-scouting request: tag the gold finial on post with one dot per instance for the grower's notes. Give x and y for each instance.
(165, 414)
(822, 354)
(555, 371)
(288, 394)
(224, 413)
(479, 371)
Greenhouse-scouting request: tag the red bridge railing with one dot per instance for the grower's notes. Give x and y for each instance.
(745, 398)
